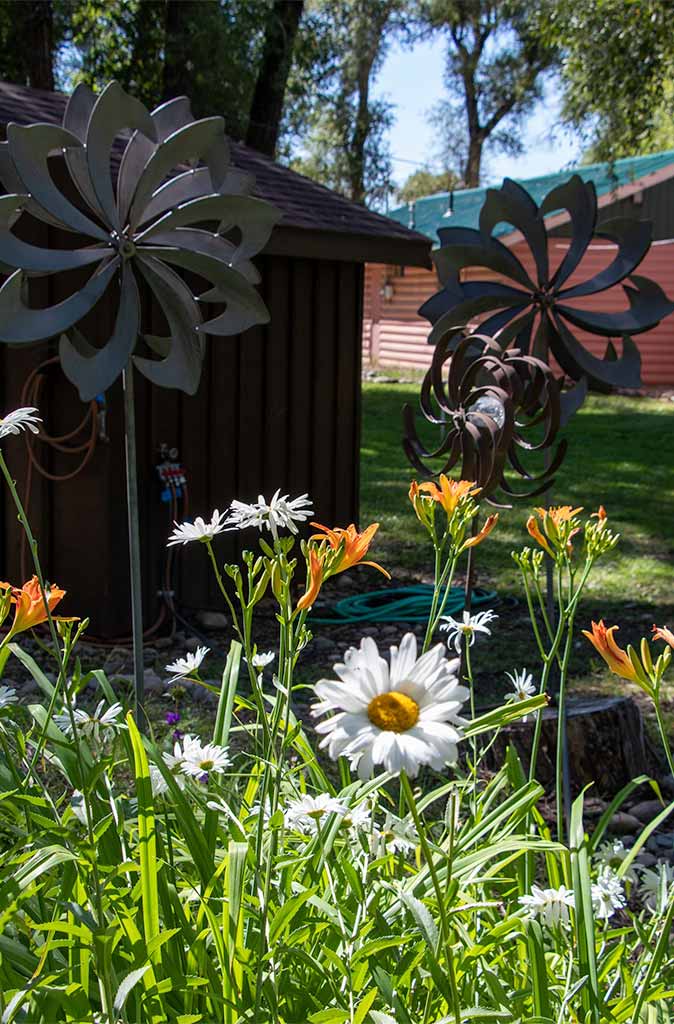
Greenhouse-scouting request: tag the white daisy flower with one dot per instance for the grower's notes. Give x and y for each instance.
(305, 814)
(19, 420)
(550, 905)
(280, 513)
(466, 627)
(260, 661)
(198, 530)
(656, 884)
(182, 667)
(395, 836)
(7, 697)
(611, 854)
(401, 715)
(608, 894)
(157, 780)
(197, 758)
(523, 687)
(95, 727)
(358, 818)
(78, 806)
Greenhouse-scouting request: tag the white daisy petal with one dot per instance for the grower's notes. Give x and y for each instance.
(182, 667)
(20, 420)
(392, 716)
(199, 530)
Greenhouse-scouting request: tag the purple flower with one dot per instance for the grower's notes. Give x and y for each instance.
(172, 717)
(177, 736)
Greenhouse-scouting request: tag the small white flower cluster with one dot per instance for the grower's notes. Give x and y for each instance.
(183, 667)
(7, 697)
(281, 512)
(96, 727)
(551, 906)
(466, 627)
(190, 759)
(656, 886)
(308, 813)
(523, 687)
(19, 420)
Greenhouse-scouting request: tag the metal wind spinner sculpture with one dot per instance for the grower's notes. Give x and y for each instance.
(487, 408)
(142, 221)
(533, 311)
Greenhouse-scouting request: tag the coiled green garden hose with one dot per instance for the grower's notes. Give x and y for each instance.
(398, 604)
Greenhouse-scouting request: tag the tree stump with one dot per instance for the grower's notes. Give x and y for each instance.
(606, 742)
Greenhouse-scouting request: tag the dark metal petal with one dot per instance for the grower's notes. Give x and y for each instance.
(648, 304)
(182, 366)
(114, 110)
(20, 323)
(254, 218)
(245, 308)
(193, 185)
(16, 253)
(457, 252)
(93, 370)
(575, 360)
(212, 245)
(481, 297)
(29, 148)
(167, 118)
(76, 120)
(579, 199)
(513, 205)
(189, 143)
(633, 238)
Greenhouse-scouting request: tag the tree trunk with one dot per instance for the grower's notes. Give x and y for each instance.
(266, 108)
(38, 40)
(606, 741)
(177, 73)
(473, 164)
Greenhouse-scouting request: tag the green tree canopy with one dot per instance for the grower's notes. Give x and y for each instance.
(425, 182)
(617, 72)
(496, 56)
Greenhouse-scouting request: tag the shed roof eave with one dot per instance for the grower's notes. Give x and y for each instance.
(355, 248)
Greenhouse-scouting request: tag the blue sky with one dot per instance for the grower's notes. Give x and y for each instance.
(412, 79)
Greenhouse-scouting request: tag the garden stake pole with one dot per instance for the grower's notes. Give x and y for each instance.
(134, 546)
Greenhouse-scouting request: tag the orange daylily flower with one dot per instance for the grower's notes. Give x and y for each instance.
(354, 546)
(489, 524)
(617, 660)
(314, 580)
(560, 514)
(663, 633)
(534, 531)
(30, 608)
(450, 492)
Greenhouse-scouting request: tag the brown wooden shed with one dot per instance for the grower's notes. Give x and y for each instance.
(278, 406)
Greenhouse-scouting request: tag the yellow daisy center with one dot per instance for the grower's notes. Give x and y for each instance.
(206, 765)
(393, 711)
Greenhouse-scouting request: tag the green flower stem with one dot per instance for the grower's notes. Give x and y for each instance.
(439, 896)
(430, 626)
(102, 963)
(663, 733)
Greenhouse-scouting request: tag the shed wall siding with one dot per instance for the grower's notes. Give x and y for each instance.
(276, 407)
(401, 333)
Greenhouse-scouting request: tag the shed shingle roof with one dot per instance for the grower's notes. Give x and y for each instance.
(315, 220)
(431, 212)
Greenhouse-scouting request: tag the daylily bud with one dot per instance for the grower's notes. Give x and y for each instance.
(314, 580)
(617, 660)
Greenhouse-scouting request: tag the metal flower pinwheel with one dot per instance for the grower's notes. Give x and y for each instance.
(492, 406)
(151, 193)
(533, 310)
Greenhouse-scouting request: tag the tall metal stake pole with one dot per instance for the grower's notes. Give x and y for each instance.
(134, 546)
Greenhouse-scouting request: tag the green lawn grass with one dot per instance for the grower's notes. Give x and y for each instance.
(620, 454)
